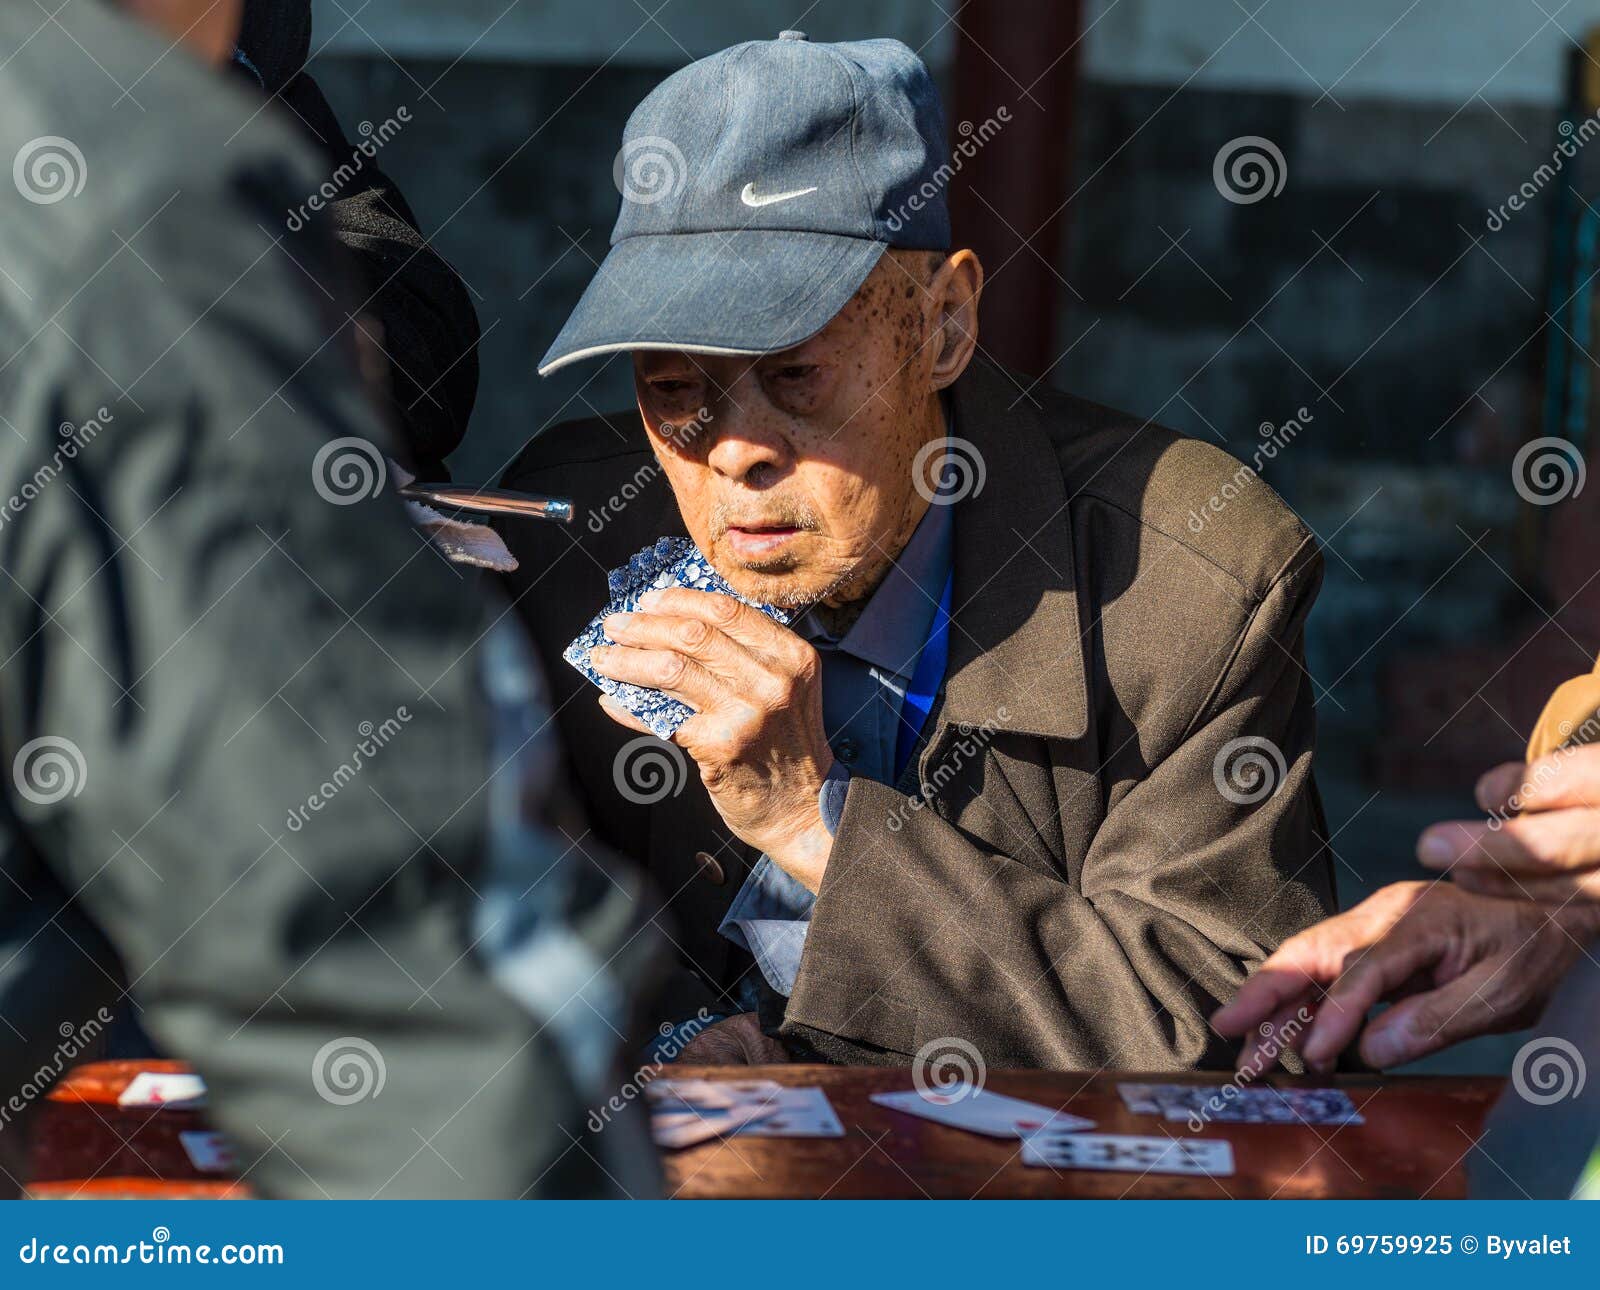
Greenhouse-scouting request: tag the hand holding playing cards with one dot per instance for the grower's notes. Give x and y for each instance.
(1454, 965)
(756, 733)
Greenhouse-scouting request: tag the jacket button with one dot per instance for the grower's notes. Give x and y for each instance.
(847, 750)
(710, 867)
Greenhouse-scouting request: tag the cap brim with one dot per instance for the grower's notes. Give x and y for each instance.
(750, 291)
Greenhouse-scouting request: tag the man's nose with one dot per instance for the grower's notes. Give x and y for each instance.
(744, 451)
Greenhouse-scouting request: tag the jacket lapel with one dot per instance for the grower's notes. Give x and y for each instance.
(1016, 640)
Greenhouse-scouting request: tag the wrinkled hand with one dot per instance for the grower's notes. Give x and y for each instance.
(756, 733)
(1454, 965)
(1542, 841)
(734, 1041)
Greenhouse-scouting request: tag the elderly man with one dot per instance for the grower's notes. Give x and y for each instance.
(984, 789)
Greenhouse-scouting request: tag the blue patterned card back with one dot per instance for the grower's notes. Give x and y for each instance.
(671, 562)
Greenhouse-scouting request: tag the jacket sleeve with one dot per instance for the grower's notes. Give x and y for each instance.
(1197, 872)
(287, 790)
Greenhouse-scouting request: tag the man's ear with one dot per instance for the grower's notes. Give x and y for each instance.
(954, 291)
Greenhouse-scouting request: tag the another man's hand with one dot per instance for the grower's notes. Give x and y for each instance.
(1542, 841)
(756, 733)
(1455, 965)
(734, 1041)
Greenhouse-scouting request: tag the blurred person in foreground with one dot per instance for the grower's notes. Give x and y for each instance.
(981, 789)
(417, 315)
(274, 770)
(1510, 941)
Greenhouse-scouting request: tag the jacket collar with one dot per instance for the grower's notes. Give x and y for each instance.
(1016, 639)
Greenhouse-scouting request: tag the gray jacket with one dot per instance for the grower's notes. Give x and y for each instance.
(271, 768)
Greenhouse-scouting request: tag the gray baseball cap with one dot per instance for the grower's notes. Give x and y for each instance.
(759, 188)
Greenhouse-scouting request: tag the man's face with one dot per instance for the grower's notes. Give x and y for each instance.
(793, 471)
(207, 28)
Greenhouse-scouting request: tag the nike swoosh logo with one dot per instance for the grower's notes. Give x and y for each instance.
(749, 198)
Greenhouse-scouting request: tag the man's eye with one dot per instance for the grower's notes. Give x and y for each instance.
(671, 387)
(795, 371)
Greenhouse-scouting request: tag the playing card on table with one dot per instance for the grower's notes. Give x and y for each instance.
(1145, 1099)
(671, 562)
(797, 1113)
(965, 1106)
(1230, 1104)
(674, 1129)
(175, 1089)
(1125, 1153)
(209, 1151)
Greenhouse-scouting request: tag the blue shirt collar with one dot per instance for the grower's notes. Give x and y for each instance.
(893, 627)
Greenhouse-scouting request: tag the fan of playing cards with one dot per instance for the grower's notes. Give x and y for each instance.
(671, 562)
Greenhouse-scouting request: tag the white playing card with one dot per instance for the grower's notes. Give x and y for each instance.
(1206, 1157)
(799, 1113)
(674, 1129)
(156, 1088)
(965, 1106)
(209, 1151)
(709, 1094)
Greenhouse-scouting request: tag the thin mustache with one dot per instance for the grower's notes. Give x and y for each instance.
(725, 518)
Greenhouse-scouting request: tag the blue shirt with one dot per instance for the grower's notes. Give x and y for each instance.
(864, 678)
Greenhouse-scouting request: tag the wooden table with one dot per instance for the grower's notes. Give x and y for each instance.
(1414, 1143)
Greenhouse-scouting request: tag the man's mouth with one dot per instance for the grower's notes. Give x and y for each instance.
(753, 541)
